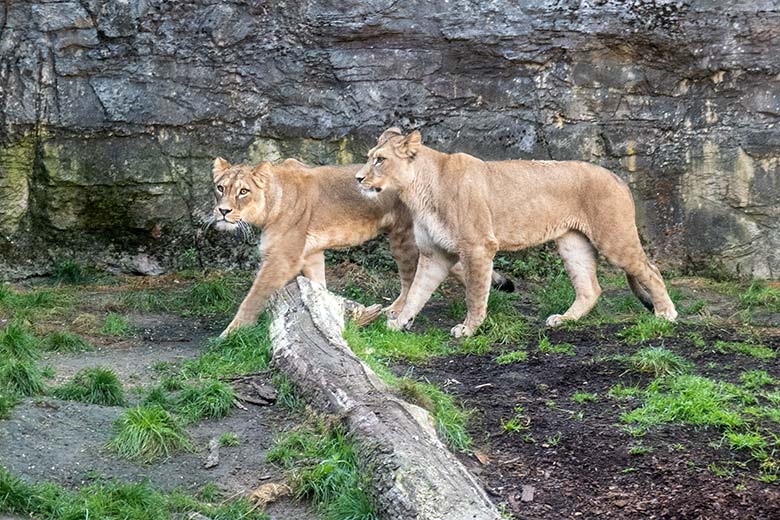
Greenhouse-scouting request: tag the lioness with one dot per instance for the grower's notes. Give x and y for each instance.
(466, 209)
(302, 211)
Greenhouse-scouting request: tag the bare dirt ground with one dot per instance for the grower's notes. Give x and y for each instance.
(575, 460)
(47, 439)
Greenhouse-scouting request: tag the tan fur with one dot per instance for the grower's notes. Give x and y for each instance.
(466, 209)
(302, 211)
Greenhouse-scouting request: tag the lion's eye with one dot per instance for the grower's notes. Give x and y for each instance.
(220, 189)
(243, 191)
(379, 160)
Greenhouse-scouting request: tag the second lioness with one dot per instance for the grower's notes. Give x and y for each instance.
(302, 211)
(466, 209)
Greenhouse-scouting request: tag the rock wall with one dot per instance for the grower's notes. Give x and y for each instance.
(111, 111)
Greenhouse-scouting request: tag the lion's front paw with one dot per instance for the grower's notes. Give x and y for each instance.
(392, 312)
(400, 323)
(669, 314)
(461, 331)
(555, 320)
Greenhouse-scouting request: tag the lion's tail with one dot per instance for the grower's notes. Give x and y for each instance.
(640, 292)
(502, 283)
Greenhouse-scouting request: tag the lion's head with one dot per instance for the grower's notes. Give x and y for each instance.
(389, 163)
(239, 195)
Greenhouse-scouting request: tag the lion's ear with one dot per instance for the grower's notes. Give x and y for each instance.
(387, 134)
(262, 171)
(220, 165)
(410, 144)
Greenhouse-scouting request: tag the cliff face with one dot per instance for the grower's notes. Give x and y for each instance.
(112, 111)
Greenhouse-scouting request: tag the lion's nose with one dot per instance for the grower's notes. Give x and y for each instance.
(224, 211)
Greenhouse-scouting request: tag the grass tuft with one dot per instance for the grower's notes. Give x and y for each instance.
(64, 341)
(379, 342)
(7, 402)
(95, 386)
(755, 379)
(245, 350)
(20, 377)
(647, 327)
(689, 399)
(208, 399)
(554, 296)
(229, 439)
(112, 500)
(147, 433)
(659, 362)
(745, 348)
(561, 348)
(16, 341)
(451, 420)
(322, 460)
(70, 272)
(115, 325)
(514, 356)
(758, 294)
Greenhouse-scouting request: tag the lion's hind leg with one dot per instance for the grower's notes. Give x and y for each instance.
(580, 260)
(625, 251)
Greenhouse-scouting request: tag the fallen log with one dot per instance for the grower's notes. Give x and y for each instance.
(413, 475)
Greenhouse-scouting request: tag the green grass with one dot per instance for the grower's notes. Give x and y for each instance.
(115, 325)
(245, 350)
(549, 348)
(64, 341)
(514, 356)
(758, 294)
(378, 342)
(647, 327)
(112, 500)
(375, 345)
(207, 399)
(95, 386)
(745, 348)
(70, 272)
(538, 263)
(19, 373)
(755, 379)
(640, 449)
(229, 439)
(451, 420)
(322, 462)
(658, 362)
(158, 395)
(20, 377)
(750, 440)
(621, 392)
(687, 399)
(16, 341)
(288, 396)
(212, 296)
(503, 325)
(7, 402)
(518, 422)
(147, 433)
(584, 397)
(554, 296)
(30, 304)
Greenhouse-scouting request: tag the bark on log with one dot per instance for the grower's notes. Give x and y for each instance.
(413, 475)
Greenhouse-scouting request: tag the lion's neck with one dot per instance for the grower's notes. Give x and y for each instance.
(419, 195)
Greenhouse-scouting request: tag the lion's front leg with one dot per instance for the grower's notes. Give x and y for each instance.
(432, 269)
(406, 254)
(276, 270)
(478, 269)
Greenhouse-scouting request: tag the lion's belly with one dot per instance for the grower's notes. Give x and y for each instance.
(430, 232)
(339, 238)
